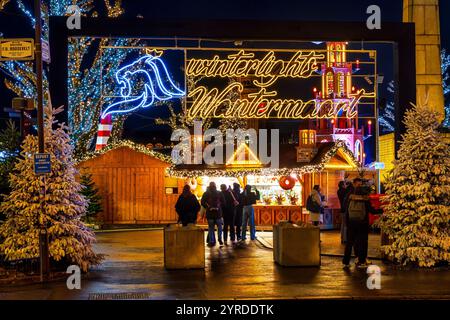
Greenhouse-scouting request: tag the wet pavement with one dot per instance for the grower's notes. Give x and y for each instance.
(331, 243)
(134, 269)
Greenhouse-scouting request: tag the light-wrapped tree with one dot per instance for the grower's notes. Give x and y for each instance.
(69, 239)
(416, 214)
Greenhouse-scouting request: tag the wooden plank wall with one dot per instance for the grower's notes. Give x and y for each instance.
(132, 187)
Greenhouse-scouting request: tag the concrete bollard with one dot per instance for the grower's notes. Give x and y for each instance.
(184, 247)
(296, 246)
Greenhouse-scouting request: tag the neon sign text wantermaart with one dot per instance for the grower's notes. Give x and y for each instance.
(210, 102)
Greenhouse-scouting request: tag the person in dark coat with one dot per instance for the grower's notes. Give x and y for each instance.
(342, 191)
(228, 213)
(187, 207)
(358, 225)
(238, 210)
(212, 200)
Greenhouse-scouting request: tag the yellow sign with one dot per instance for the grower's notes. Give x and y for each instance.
(16, 49)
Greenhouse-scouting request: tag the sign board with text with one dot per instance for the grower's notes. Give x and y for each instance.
(16, 49)
(42, 163)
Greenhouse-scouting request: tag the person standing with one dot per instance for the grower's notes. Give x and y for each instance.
(358, 210)
(314, 205)
(228, 213)
(341, 196)
(212, 200)
(249, 198)
(187, 207)
(238, 210)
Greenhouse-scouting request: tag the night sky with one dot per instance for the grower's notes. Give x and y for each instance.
(13, 25)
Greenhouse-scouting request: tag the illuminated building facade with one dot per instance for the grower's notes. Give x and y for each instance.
(336, 74)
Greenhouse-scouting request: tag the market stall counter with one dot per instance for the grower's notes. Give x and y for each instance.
(269, 215)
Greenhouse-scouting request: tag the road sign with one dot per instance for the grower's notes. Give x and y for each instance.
(16, 49)
(45, 51)
(42, 164)
(377, 165)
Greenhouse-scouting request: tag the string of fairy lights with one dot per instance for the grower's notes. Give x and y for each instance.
(274, 172)
(85, 100)
(174, 171)
(128, 144)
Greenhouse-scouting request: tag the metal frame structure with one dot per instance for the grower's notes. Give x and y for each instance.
(401, 35)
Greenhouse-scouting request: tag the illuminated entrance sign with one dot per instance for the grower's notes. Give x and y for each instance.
(262, 74)
(244, 83)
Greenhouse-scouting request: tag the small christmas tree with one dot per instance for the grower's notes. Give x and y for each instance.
(91, 194)
(416, 214)
(69, 239)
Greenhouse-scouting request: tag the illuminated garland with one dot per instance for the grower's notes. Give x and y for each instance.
(276, 172)
(129, 144)
(3, 3)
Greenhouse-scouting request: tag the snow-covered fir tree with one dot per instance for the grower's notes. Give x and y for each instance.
(69, 239)
(416, 214)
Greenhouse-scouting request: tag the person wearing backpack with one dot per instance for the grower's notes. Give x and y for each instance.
(213, 200)
(314, 205)
(357, 215)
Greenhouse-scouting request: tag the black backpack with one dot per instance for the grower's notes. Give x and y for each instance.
(357, 210)
(213, 210)
(311, 205)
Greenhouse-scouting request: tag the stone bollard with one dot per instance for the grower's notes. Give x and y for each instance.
(184, 247)
(296, 246)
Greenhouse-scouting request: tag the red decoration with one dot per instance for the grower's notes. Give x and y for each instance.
(287, 182)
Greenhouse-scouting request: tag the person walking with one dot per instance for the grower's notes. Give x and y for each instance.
(249, 198)
(228, 213)
(314, 205)
(341, 196)
(187, 207)
(358, 210)
(212, 200)
(238, 210)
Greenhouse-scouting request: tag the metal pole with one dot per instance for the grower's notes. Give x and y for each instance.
(43, 240)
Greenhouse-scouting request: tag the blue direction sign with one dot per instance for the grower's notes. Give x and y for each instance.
(42, 164)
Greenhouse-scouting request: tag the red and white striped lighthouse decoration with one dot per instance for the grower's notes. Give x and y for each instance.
(104, 132)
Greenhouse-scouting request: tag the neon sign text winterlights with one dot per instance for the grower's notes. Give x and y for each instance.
(242, 64)
(157, 85)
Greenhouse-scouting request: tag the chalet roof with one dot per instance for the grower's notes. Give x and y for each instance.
(329, 155)
(164, 155)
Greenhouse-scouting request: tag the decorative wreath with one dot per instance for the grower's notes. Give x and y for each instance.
(287, 182)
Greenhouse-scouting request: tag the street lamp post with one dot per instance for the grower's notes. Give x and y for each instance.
(43, 238)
